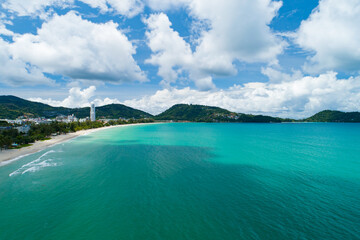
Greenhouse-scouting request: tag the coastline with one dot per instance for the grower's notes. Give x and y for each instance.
(10, 155)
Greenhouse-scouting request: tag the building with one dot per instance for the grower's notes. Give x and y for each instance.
(61, 118)
(71, 118)
(84, 119)
(92, 113)
(23, 129)
(19, 121)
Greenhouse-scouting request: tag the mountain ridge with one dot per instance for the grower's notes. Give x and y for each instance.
(201, 113)
(12, 107)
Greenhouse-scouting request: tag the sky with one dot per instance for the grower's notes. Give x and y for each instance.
(289, 58)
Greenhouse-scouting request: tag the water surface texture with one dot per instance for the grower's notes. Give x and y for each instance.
(189, 181)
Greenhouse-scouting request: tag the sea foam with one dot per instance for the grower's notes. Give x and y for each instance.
(35, 165)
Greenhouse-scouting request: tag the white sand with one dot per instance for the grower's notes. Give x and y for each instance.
(7, 156)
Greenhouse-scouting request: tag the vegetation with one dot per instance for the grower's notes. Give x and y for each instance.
(12, 107)
(184, 112)
(4, 124)
(200, 113)
(334, 116)
(119, 111)
(44, 131)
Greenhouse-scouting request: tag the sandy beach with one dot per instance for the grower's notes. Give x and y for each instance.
(7, 156)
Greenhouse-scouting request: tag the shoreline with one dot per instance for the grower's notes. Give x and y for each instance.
(11, 155)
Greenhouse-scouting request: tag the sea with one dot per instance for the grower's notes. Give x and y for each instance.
(193, 181)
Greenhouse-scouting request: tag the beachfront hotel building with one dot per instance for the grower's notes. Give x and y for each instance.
(92, 113)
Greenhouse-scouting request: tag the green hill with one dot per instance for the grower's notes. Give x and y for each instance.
(200, 113)
(12, 107)
(334, 116)
(184, 112)
(120, 110)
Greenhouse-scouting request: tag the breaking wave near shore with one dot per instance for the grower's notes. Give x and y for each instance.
(45, 160)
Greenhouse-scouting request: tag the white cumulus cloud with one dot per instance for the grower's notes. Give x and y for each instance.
(237, 31)
(332, 33)
(77, 98)
(15, 72)
(79, 49)
(169, 49)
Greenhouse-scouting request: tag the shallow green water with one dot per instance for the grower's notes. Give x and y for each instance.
(189, 181)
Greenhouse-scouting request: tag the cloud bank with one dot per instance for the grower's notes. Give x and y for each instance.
(299, 98)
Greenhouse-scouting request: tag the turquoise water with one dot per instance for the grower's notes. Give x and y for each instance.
(189, 181)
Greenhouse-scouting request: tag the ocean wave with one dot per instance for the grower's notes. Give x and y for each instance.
(35, 165)
(13, 160)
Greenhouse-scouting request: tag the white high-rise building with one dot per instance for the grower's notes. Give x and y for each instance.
(92, 113)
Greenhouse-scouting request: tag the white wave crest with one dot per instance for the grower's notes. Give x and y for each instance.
(35, 165)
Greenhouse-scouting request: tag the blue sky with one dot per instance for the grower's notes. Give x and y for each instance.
(282, 58)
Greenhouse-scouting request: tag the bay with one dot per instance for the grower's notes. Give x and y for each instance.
(189, 181)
